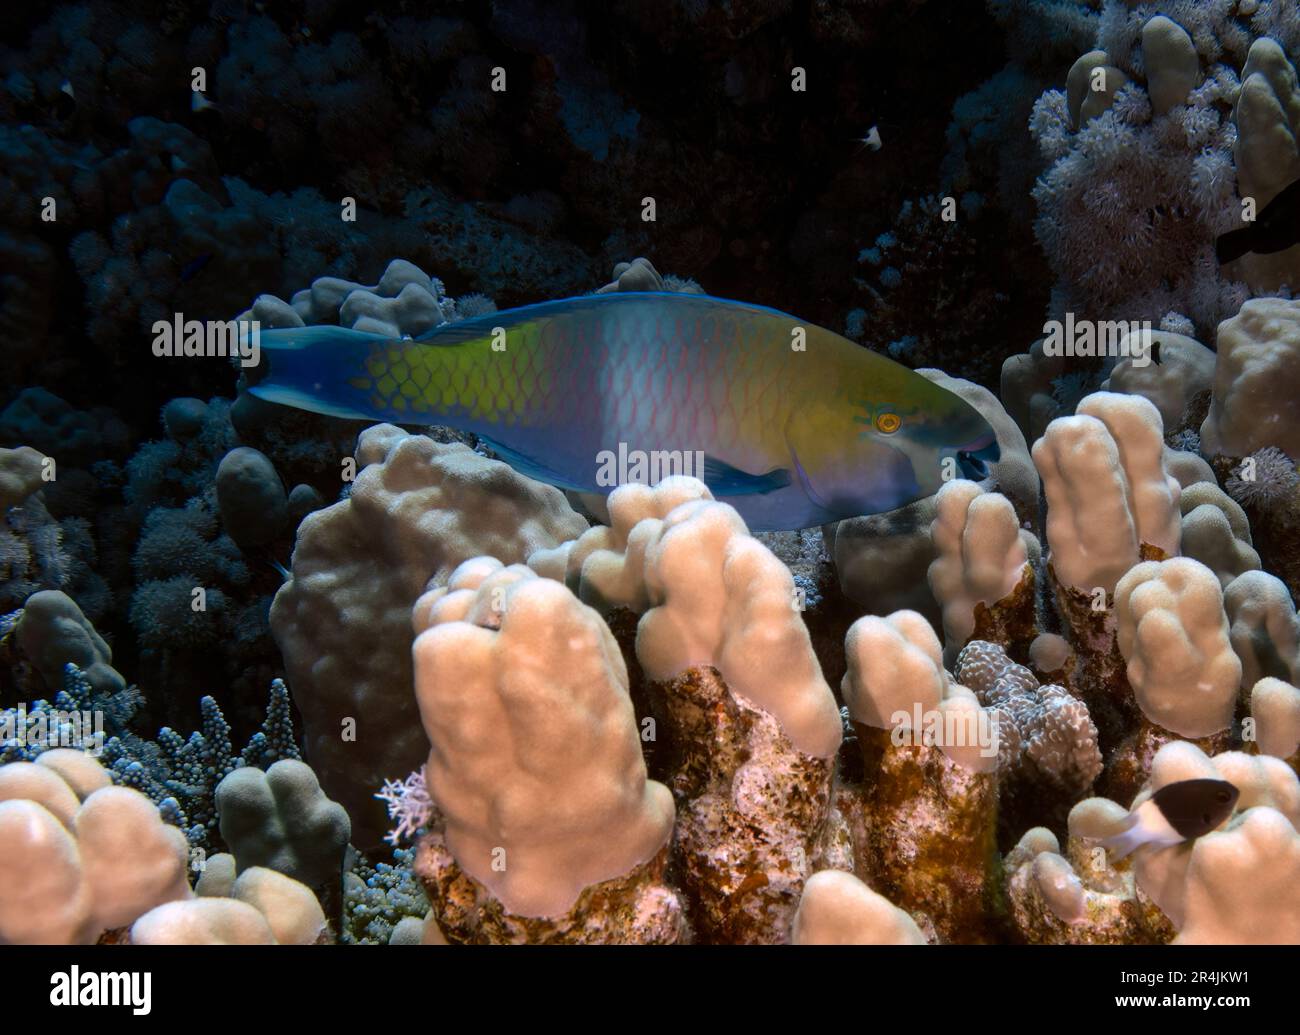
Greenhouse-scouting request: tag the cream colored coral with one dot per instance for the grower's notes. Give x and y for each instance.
(1254, 403)
(1275, 707)
(1263, 627)
(79, 857)
(711, 595)
(1173, 634)
(1215, 531)
(1186, 369)
(417, 509)
(838, 909)
(203, 921)
(535, 758)
(1172, 67)
(895, 669)
(1107, 489)
(719, 597)
(605, 566)
(981, 555)
(1241, 884)
(21, 473)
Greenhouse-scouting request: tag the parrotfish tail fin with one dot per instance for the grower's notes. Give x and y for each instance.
(1234, 244)
(313, 368)
(1127, 841)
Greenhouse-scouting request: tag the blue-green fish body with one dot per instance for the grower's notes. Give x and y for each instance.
(790, 423)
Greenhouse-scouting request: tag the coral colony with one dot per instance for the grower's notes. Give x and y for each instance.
(919, 566)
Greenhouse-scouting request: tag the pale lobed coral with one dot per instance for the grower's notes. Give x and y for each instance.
(1184, 370)
(710, 594)
(1073, 894)
(281, 819)
(1173, 635)
(838, 909)
(417, 509)
(259, 907)
(81, 857)
(52, 632)
(1254, 403)
(1216, 532)
(404, 302)
(1108, 492)
(1267, 117)
(981, 556)
(1263, 627)
(21, 472)
(1275, 709)
(896, 675)
(736, 683)
(523, 694)
(1229, 886)
(1233, 885)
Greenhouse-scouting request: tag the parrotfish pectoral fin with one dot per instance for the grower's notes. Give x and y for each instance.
(530, 467)
(726, 480)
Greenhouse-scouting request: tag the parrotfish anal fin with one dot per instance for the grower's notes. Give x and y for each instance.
(725, 480)
(533, 468)
(286, 396)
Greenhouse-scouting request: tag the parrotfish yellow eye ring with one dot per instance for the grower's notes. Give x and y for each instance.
(888, 423)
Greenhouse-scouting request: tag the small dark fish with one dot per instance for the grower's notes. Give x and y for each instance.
(1275, 229)
(1178, 812)
(194, 267)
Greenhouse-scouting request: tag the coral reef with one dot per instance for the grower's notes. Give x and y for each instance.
(627, 719)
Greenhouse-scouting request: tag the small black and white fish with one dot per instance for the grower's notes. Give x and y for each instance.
(1275, 229)
(1178, 812)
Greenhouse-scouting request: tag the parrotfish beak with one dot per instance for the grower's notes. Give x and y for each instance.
(974, 458)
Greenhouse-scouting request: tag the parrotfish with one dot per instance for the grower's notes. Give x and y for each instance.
(1178, 812)
(790, 423)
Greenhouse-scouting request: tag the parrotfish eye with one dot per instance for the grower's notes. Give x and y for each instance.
(888, 423)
